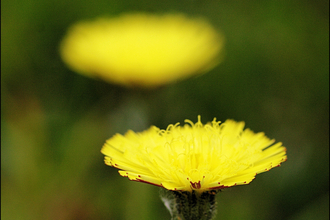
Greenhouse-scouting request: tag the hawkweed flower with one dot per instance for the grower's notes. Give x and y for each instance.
(142, 50)
(192, 162)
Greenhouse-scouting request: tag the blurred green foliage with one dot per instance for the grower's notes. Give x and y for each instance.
(274, 76)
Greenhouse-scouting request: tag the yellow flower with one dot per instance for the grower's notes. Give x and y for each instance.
(195, 156)
(142, 49)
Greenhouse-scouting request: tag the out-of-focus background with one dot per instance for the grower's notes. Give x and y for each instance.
(274, 76)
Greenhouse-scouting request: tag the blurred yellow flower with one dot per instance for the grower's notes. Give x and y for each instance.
(142, 49)
(195, 156)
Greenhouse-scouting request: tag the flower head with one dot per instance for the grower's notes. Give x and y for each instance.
(142, 49)
(195, 156)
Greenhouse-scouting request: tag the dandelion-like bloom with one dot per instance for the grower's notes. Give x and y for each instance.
(194, 157)
(142, 49)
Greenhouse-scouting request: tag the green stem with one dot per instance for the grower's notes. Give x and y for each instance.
(190, 205)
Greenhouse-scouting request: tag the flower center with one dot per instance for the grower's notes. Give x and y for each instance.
(196, 185)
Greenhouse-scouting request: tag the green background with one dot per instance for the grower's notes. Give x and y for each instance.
(275, 77)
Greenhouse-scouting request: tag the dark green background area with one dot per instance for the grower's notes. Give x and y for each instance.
(274, 76)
